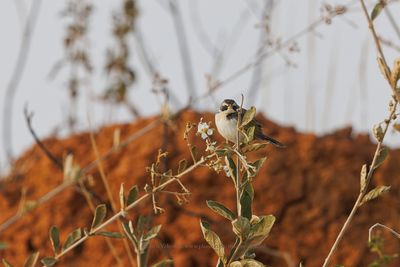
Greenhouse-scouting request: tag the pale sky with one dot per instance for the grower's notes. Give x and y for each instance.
(336, 81)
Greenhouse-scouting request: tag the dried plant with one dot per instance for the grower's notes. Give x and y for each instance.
(76, 58)
(392, 76)
(121, 74)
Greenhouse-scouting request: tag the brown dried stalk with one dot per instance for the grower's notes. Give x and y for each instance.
(364, 189)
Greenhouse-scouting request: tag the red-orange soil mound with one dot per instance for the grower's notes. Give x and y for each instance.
(310, 187)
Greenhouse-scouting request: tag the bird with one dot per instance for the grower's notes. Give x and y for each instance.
(226, 122)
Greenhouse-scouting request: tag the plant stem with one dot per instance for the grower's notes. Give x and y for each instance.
(238, 180)
(134, 204)
(235, 253)
(364, 190)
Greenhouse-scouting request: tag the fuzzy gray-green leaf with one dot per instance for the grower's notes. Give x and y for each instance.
(382, 154)
(250, 133)
(251, 263)
(129, 233)
(241, 227)
(182, 165)
(6, 263)
(212, 239)
(99, 215)
(132, 195)
(55, 238)
(231, 166)
(164, 263)
(72, 238)
(32, 259)
(152, 233)
(246, 200)
(260, 230)
(248, 116)
(377, 10)
(254, 147)
(363, 177)
(257, 165)
(49, 261)
(110, 234)
(374, 193)
(221, 210)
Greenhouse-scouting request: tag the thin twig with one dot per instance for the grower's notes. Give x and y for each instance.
(396, 234)
(66, 184)
(131, 206)
(51, 156)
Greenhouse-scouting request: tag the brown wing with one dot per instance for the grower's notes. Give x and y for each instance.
(258, 133)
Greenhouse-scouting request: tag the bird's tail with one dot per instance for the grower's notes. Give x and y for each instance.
(272, 141)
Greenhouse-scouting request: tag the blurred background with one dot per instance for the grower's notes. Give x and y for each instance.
(113, 67)
(318, 72)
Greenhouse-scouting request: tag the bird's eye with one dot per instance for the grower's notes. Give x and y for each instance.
(223, 107)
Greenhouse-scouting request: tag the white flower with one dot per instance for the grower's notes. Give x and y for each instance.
(204, 129)
(227, 172)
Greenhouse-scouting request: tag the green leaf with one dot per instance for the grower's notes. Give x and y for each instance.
(213, 239)
(32, 259)
(182, 165)
(6, 263)
(221, 209)
(261, 230)
(132, 195)
(164, 263)
(254, 147)
(193, 149)
(99, 215)
(241, 227)
(221, 152)
(231, 166)
(111, 234)
(49, 261)
(248, 116)
(258, 164)
(220, 263)
(246, 200)
(374, 193)
(250, 133)
(251, 263)
(363, 177)
(3, 245)
(142, 224)
(382, 154)
(377, 10)
(130, 233)
(72, 238)
(152, 233)
(54, 234)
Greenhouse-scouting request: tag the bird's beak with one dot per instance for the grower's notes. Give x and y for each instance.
(230, 108)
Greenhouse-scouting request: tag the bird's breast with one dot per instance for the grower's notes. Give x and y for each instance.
(226, 127)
